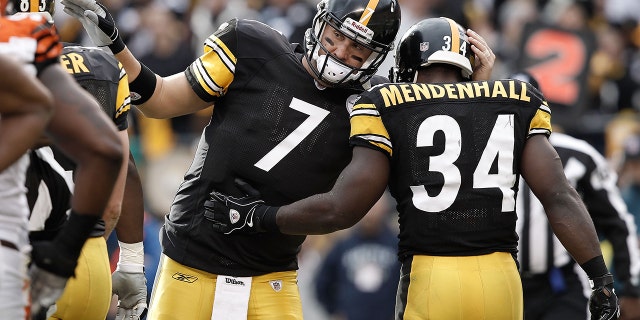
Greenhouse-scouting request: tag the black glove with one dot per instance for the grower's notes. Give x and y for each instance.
(47, 255)
(603, 303)
(97, 21)
(230, 214)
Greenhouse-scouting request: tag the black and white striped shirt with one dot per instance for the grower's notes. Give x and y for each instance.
(588, 171)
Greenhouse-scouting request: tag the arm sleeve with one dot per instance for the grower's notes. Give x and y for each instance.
(211, 74)
(123, 101)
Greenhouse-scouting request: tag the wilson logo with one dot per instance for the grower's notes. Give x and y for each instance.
(234, 281)
(184, 277)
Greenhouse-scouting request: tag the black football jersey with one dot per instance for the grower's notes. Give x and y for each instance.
(104, 78)
(272, 127)
(455, 153)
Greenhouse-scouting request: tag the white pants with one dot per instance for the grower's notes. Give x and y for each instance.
(14, 284)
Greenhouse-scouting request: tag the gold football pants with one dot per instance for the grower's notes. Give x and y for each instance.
(456, 288)
(88, 294)
(180, 292)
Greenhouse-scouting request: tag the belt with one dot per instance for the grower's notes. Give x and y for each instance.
(8, 244)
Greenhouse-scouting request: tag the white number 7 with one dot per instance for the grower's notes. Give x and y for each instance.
(316, 115)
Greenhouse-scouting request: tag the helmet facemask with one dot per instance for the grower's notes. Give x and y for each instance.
(327, 67)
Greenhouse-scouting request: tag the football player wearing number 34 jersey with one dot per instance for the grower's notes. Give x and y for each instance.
(451, 152)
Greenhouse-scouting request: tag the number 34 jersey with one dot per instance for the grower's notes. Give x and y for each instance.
(455, 153)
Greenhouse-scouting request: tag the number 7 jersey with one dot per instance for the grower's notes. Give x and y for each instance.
(455, 153)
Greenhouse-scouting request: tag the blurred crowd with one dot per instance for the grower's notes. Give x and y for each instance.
(585, 52)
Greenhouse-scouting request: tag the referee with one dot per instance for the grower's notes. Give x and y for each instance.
(554, 286)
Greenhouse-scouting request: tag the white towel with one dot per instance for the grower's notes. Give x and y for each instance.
(231, 299)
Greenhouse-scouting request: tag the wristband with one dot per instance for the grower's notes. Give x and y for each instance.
(131, 257)
(595, 267)
(75, 232)
(117, 45)
(143, 86)
(268, 221)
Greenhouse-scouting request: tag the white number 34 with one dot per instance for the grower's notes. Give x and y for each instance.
(500, 145)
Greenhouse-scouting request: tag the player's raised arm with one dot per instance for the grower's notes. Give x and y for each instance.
(150, 92)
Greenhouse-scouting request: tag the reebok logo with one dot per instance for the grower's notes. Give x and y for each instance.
(234, 281)
(184, 277)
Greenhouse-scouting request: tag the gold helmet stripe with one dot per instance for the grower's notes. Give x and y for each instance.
(368, 11)
(455, 36)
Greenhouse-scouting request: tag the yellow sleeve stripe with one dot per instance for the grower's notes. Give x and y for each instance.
(365, 106)
(124, 107)
(226, 56)
(123, 73)
(541, 122)
(202, 71)
(361, 112)
(123, 97)
(215, 69)
(380, 142)
(367, 125)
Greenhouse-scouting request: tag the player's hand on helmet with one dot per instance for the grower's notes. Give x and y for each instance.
(49, 273)
(484, 57)
(97, 21)
(603, 303)
(130, 285)
(232, 214)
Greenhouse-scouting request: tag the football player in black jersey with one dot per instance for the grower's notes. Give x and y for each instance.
(280, 121)
(450, 151)
(50, 187)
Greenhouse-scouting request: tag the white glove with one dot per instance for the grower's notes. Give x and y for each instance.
(77, 9)
(46, 288)
(131, 289)
(129, 282)
(97, 21)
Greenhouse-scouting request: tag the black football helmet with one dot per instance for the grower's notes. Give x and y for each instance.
(46, 7)
(371, 23)
(433, 40)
